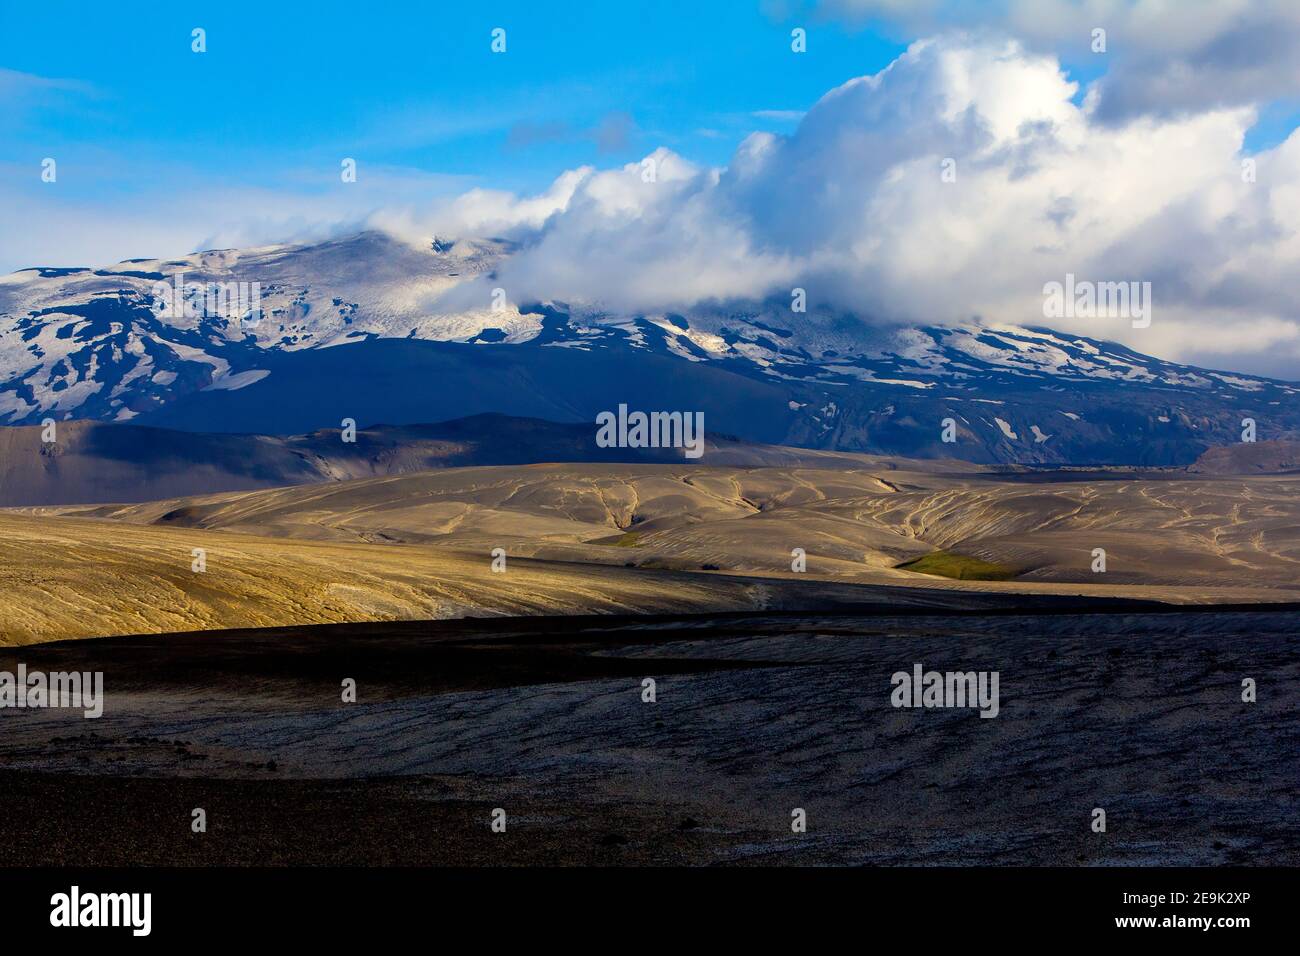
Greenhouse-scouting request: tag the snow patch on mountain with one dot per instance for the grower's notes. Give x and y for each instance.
(1006, 428)
(233, 383)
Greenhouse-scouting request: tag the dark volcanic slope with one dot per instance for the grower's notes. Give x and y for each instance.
(1137, 713)
(99, 462)
(1249, 458)
(1023, 413)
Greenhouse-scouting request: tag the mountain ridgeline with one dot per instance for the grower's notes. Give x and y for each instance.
(349, 329)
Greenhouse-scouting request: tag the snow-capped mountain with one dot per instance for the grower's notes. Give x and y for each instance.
(348, 328)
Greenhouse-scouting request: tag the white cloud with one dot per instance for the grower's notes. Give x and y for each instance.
(852, 207)
(78, 222)
(25, 93)
(483, 212)
(1161, 57)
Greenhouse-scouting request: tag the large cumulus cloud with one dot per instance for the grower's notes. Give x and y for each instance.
(854, 208)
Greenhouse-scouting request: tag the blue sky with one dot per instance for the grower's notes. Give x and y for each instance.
(414, 94)
(282, 90)
(415, 85)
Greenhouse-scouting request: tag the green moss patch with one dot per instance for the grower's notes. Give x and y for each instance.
(959, 566)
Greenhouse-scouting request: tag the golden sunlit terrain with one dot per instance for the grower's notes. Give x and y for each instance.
(609, 538)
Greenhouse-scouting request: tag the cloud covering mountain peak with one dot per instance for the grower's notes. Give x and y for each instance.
(951, 185)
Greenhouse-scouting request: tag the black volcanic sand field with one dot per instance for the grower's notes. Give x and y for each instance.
(1133, 710)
